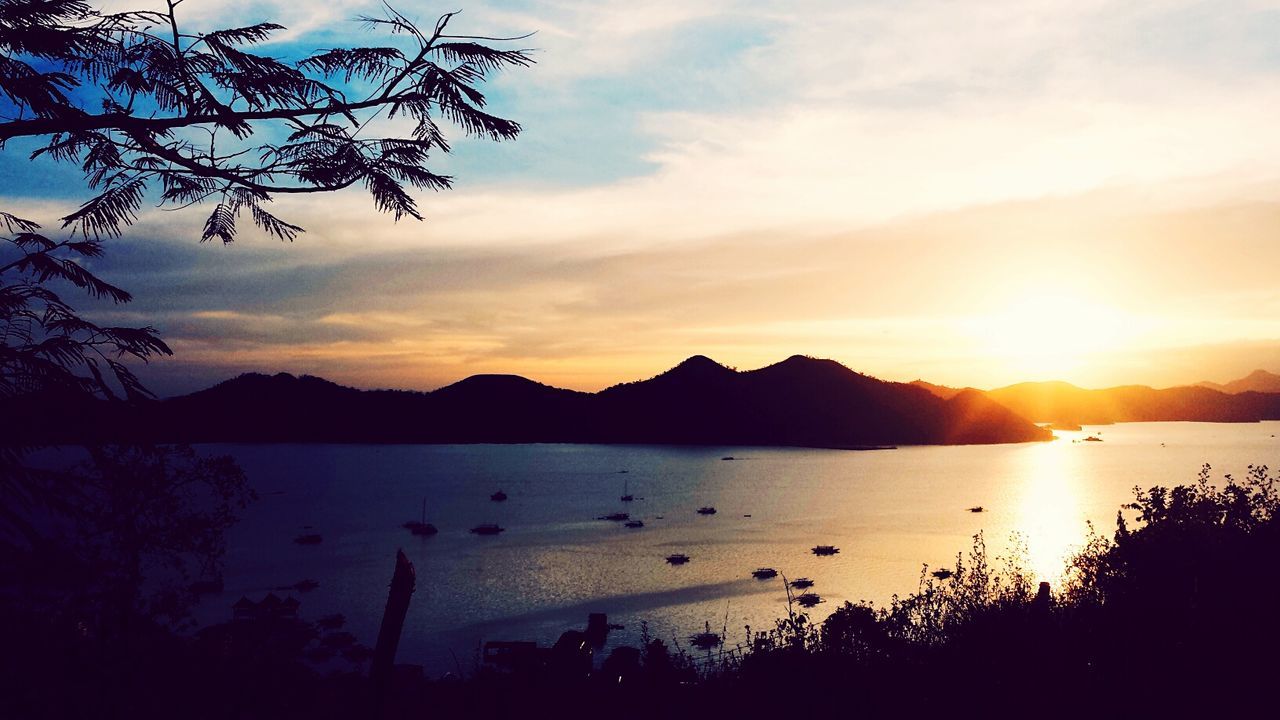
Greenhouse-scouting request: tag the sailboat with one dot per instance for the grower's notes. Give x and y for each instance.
(421, 527)
(626, 493)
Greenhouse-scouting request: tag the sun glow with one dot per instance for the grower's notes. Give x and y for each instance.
(1050, 334)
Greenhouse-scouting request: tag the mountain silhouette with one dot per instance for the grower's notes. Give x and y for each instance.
(942, 391)
(800, 401)
(1259, 381)
(1064, 403)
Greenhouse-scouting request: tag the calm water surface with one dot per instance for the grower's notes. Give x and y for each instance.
(890, 512)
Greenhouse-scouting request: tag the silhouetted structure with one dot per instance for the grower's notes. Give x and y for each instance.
(403, 584)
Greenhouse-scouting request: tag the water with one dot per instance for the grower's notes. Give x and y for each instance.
(890, 512)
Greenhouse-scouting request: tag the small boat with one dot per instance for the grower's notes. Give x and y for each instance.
(616, 517)
(498, 496)
(825, 550)
(626, 492)
(977, 509)
(808, 600)
(708, 510)
(1093, 438)
(801, 583)
(635, 523)
(727, 457)
(678, 559)
(309, 539)
(942, 573)
(487, 529)
(421, 527)
(764, 573)
(705, 640)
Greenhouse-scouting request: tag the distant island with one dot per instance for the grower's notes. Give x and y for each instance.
(1250, 399)
(800, 401)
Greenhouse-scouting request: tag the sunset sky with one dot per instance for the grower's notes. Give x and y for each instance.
(970, 193)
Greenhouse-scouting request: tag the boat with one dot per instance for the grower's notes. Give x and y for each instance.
(977, 509)
(808, 600)
(635, 523)
(708, 510)
(801, 583)
(487, 529)
(498, 496)
(705, 640)
(727, 457)
(825, 550)
(421, 527)
(678, 559)
(1092, 438)
(764, 573)
(616, 517)
(626, 492)
(309, 539)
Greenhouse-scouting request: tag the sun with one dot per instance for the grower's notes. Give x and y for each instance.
(1040, 334)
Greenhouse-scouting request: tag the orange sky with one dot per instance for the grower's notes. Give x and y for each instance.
(974, 194)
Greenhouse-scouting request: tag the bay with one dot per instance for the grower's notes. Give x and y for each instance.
(891, 513)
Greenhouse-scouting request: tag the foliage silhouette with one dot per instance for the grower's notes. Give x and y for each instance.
(98, 559)
(1173, 615)
(47, 345)
(201, 118)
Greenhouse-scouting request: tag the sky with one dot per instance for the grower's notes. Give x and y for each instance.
(973, 193)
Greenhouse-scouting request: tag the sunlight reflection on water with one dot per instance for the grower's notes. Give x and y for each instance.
(1050, 518)
(889, 512)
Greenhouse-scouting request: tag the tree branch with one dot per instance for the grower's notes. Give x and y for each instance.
(132, 123)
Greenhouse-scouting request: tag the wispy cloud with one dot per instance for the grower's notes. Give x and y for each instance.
(745, 179)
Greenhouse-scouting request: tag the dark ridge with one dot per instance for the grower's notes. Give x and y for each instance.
(1259, 381)
(801, 401)
(942, 391)
(1063, 403)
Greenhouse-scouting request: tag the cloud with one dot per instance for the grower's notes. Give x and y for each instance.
(750, 180)
(927, 297)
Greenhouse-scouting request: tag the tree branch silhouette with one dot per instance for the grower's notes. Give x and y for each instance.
(169, 99)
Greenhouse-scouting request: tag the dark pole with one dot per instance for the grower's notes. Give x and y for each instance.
(384, 654)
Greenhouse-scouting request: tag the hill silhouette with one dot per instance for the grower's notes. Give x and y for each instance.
(800, 401)
(1259, 381)
(942, 391)
(1060, 402)
(1065, 404)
